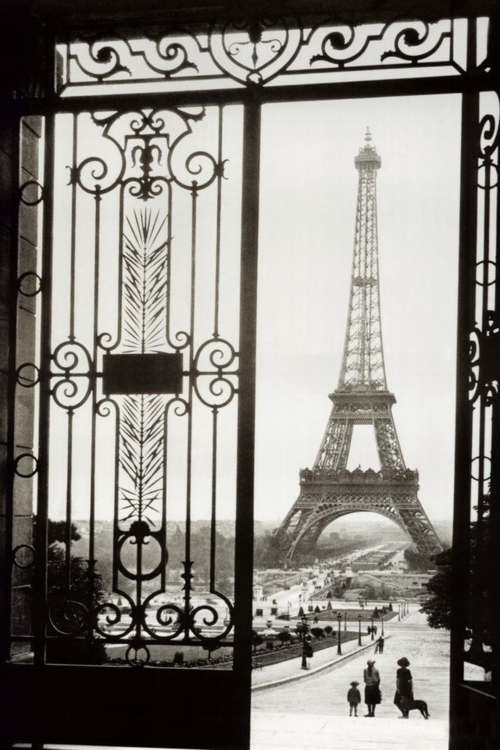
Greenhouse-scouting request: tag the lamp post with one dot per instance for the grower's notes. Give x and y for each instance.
(345, 621)
(339, 647)
(304, 630)
(373, 634)
(359, 631)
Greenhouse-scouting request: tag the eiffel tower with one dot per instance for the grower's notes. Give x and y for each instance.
(329, 490)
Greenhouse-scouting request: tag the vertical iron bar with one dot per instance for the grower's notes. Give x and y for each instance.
(116, 504)
(72, 284)
(218, 227)
(213, 522)
(477, 575)
(187, 546)
(464, 411)
(73, 231)
(246, 406)
(97, 250)
(493, 549)
(14, 145)
(41, 551)
(69, 483)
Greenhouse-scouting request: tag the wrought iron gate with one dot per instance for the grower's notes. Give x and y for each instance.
(132, 348)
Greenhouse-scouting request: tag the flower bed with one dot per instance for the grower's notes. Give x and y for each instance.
(263, 657)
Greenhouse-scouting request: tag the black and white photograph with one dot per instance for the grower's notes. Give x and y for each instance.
(250, 368)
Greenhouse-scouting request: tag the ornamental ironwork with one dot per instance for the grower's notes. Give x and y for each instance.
(256, 52)
(139, 369)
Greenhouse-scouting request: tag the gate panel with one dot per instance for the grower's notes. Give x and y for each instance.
(143, 377)
(136, 389)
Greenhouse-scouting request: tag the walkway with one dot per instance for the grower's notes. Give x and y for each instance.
(312, 711)
(297, 710)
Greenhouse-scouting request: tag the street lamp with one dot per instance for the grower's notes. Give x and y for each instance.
(373, 635)
(359, 631)
(304, 630)
(345, 621)
(339, 647)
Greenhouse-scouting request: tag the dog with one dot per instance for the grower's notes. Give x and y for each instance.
(408, 705)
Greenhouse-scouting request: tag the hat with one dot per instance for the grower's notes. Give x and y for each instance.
(372, 661)
(403, 662)
(354, 683)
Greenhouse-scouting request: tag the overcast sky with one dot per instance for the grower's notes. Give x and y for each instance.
(308, 202)
(307, 220)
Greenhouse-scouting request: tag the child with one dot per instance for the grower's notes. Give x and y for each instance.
(353, 698)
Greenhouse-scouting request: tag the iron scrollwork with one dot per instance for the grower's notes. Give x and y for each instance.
(150, 164)
(215, 384)
(484, 358)
(257, 50)
(484, 347)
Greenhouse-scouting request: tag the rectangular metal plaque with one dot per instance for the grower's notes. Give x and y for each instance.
(142, 373)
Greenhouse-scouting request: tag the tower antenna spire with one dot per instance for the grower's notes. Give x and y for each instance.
(330, 490)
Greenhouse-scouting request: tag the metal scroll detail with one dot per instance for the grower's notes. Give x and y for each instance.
(148, 165)
(257, 50)
(484, 386)
(485, 337)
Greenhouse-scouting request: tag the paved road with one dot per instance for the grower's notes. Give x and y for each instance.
(325, 693)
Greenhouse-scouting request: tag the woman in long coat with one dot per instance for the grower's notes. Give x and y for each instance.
(404, 685)
(373, 697)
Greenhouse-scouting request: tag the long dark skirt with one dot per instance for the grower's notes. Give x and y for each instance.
(372, 694)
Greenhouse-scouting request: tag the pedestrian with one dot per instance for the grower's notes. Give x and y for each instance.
(404, 685)
(379, 646)
(308, 651)
(373, 695)
(353, 698)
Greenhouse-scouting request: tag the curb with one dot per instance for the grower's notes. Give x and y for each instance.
(312, 672)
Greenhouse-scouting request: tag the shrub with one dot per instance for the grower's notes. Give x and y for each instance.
(284, 636)
(318, 632)
(257, 640)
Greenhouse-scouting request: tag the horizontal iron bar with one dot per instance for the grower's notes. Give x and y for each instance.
(266, 94)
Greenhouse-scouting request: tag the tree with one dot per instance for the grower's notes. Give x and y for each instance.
(477, 594)
(57, 532)
(284, 636)
(257, 640)
(70, 608)
(437, 605)
(418, 562)
(318, 632)
(267, 551)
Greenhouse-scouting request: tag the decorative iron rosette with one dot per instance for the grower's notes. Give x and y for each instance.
(254, 51)
(484, 357)
(72, 375)
(214, 383)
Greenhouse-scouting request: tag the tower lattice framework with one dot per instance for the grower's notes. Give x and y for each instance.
(329, 490)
